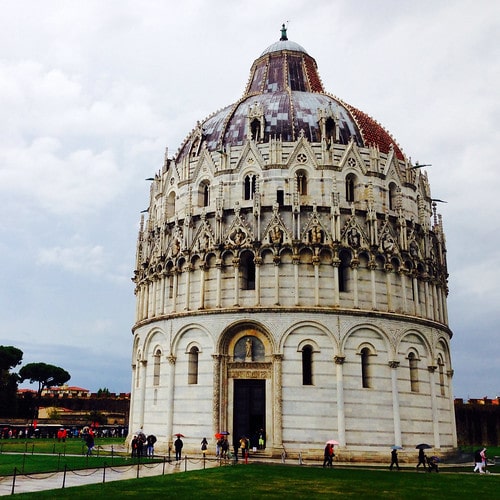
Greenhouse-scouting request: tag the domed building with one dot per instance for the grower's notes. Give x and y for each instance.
(291, 280)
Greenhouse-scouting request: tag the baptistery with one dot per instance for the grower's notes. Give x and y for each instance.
(291, 280)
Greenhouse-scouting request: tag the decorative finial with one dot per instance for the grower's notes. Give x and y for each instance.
(283, 33)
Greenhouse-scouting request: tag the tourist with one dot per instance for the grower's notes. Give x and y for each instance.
(394, 459)
(421, 458)
(478, 460)
(204, 445)
(328, 455)
(150, 445)
(178, 444)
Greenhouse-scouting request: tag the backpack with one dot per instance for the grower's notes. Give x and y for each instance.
(477, 456)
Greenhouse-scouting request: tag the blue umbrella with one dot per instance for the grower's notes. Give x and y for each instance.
(396, 447)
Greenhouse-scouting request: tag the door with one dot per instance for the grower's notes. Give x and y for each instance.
(249, 410)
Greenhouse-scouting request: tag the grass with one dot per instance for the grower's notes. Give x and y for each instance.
(276, 481)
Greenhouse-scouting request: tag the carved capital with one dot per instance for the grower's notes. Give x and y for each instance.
(171, 359)
(393, 364)
(339, 360)
(432, 368)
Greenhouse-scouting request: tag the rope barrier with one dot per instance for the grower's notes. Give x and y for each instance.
(84, 475)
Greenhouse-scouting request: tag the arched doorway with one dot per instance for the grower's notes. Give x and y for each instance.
(248, 376)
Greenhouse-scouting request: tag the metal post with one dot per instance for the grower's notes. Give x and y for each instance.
(64, 476)
(164, 460)
(13, 481)
(185, 463)
(104, 474)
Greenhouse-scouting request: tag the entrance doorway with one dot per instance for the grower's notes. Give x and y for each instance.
(249, 412)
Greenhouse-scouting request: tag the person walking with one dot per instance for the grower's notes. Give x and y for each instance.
(328, 456)
(421, 459)
(178, 444)
(204, 446)
(478, 460)
(394, 459)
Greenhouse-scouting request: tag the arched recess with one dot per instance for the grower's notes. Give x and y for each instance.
(247, 383)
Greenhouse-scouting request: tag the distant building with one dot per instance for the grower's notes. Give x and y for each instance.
(291, 278)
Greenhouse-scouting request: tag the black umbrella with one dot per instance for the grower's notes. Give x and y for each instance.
(423, 446)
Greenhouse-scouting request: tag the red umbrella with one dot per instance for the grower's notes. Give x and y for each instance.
(179, 435)
(332, 441)
(218, 435)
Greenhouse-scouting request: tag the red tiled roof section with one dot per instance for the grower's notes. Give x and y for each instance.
(312, 75)
(374, 133)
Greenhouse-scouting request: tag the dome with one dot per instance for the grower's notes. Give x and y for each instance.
(286, 98)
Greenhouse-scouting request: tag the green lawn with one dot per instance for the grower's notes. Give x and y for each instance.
(255, 481)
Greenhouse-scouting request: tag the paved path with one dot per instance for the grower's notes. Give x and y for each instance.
(23, 483)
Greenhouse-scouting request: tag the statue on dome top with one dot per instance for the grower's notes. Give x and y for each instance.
(283, 33)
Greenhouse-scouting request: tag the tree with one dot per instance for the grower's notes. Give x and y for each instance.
(9, 358)
(46, 376)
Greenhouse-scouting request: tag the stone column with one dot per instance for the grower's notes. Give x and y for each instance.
(339, 362)
(316, 280)
(175, 287)
(276, 280)
(395, 403)
(296, 263)
(142, 374)
(354, 266)
(201, 303)
(258, 263)
(218, 265)
(435, 412)
(402, 275)
(336, 292)
(236, 267)
(388, 281)
(170, 399)
(187, 271)
(216, 393)
(162, 294)
(416, 298)
(373, 267)
(278, 402)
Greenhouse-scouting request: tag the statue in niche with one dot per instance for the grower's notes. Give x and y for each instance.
(353, 237)
(175, 247)
(316, 235)
(248, 349)
(276, 235)
(238, 237)
(388, 243)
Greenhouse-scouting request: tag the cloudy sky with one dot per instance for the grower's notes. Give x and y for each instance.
(91, 94)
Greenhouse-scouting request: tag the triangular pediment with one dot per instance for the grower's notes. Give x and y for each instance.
(352, 159)
(239, 233)
(276, 233)
(205, 167)
(204, 238)
(353, 235)
(315, 232)
(250, 157)
(388, 240)
(302, 153)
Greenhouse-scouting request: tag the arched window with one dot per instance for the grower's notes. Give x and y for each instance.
(350, 182)
(247, 270)
(156, 367)
(307, 351)
(393, 192)
(193, 365)
(301, 178)
(280, 197)
(204, 194)
(366, 381)
(330, 129)
(249, 186)
(413, 364)
(441, 377)
(171, 205)
(255, 129)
